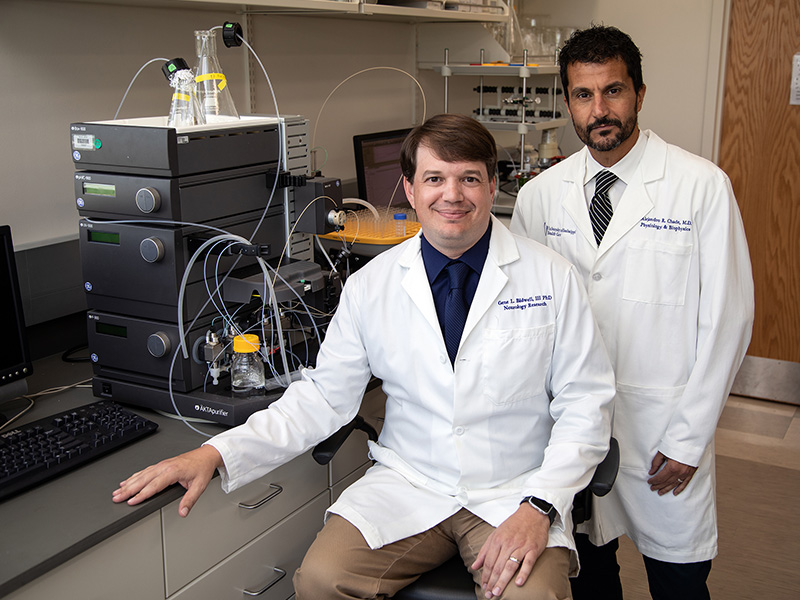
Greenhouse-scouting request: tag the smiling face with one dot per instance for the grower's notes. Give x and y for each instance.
(452, 199)
(604, 108)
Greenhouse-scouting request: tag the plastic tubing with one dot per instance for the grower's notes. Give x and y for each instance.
(371, 208)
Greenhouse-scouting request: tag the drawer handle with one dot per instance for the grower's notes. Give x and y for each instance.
(280, 575)
(278, 489)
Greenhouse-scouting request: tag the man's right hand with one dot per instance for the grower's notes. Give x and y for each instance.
(192, 470)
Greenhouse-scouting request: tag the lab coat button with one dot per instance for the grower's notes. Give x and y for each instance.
(442, 358)
(459, 430)
(597, 276)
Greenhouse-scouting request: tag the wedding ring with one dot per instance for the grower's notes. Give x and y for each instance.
(511, 558)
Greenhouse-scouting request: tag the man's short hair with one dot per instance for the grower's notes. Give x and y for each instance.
(452, 138)
(599, 44)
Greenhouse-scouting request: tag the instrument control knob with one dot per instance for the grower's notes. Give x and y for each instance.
(158, 344)
(148, 200)
(152, 249)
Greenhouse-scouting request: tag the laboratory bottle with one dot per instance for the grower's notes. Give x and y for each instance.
(212, 87)
(185, 108)
(247, 368)
(400, 220)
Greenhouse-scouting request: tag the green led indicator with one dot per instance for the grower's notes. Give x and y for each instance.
(97, 143)
(228, 25)
(172, 68)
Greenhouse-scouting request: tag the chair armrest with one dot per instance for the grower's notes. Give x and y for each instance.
(325, 450)
(606, 472)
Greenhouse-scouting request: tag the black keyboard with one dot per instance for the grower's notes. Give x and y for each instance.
(43, 449)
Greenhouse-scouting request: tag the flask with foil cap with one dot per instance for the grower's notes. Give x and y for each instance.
(185, 107)
(247, 368)
(212, 86)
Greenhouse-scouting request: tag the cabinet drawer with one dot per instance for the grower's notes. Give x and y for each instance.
(218, 525)
(354, 452)
(126, 566)
(272, 558)
(344, 483)
(352, 455)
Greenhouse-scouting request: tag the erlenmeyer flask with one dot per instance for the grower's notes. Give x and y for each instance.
(185, 108)
(212, 87)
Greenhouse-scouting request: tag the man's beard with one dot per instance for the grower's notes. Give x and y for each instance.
(608, 142)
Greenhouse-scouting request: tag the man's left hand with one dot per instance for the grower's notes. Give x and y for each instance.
(511, 549)
(669, 475)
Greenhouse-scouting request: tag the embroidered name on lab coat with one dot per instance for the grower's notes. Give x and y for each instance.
(523, 303)
(557, 231)
(675, 225)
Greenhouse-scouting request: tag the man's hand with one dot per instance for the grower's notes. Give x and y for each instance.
(523, 537)
(192, 470)
(669, 475)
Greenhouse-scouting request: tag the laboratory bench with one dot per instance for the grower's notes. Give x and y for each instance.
(67, 539)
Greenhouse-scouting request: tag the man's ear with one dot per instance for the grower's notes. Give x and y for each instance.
(409, 189)
(640, 97)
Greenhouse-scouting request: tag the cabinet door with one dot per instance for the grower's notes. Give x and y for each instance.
(127, 566)
(218, 524)
(264, 567)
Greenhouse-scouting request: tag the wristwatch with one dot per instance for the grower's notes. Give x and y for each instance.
(543, 507)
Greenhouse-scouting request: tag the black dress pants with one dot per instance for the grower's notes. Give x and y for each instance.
(599, 576)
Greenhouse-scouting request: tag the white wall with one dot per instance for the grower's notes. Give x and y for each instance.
(62, 62)
(682, 45)
(69, 61)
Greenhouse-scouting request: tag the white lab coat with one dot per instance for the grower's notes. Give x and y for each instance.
(527, 411)
(672, 291)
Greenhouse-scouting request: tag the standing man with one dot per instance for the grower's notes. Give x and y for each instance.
(498, 388)
(657, 236)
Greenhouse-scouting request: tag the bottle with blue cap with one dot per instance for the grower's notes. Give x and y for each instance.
(400, 220)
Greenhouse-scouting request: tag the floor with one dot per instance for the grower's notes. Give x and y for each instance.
(758, 492)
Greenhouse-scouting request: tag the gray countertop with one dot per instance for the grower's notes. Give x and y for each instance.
(54, 522)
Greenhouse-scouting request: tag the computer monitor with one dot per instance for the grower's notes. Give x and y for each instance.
(378, 167)
(15, 358)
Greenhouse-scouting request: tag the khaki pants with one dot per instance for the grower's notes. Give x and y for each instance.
(339, 565)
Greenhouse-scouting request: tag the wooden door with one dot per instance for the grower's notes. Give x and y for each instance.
(760, 151)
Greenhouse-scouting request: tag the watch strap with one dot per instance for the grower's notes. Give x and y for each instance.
(542, 506)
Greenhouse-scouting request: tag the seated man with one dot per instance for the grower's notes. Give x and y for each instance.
(498, 388)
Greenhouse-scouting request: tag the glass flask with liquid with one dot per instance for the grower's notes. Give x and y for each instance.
(247, 368)
(212, 87)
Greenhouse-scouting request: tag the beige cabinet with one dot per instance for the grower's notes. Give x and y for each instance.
(126, 566)
(220, 524)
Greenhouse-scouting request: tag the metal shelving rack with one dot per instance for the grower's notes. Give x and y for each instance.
(524, 71)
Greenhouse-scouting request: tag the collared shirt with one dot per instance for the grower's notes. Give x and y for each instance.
(435, 263)
(623, 169)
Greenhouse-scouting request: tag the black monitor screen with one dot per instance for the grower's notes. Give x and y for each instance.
(15, 361)
(378, 167)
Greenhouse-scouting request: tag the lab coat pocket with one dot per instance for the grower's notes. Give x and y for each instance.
(516, 362)
(656, 272)
(641, 415)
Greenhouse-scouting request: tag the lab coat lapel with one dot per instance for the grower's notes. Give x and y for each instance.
(636, 202)
(502, 250)
(415, 283)
(574, 202)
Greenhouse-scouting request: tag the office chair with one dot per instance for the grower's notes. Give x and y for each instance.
(451, 580)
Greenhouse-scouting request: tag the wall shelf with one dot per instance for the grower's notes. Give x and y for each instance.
(340, 8)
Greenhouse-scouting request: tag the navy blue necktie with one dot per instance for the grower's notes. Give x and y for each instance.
(455, 307)
(600, 210)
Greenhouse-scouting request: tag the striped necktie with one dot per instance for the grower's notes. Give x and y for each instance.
(455, 307)
(600, 210)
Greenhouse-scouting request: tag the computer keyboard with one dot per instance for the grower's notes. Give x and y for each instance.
(43, 449)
